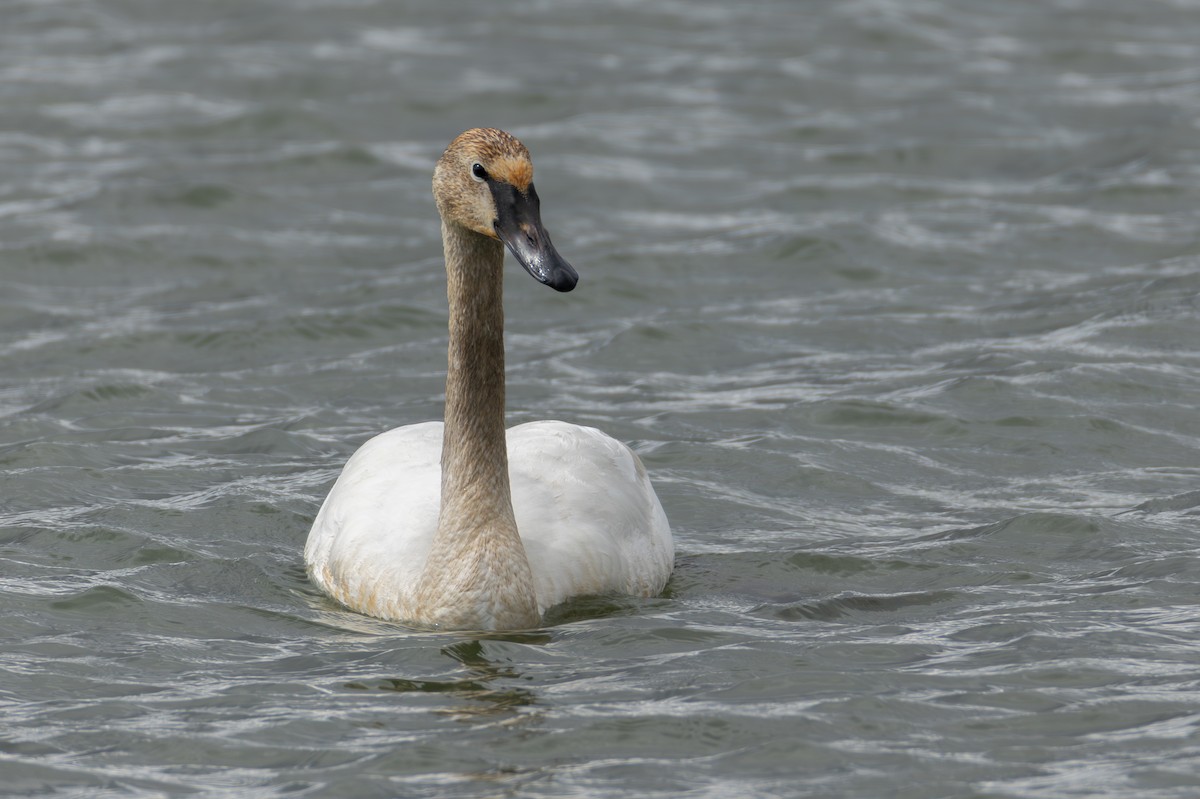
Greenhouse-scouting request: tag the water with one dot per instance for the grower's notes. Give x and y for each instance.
(897, 300)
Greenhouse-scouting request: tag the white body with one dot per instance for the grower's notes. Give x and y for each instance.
(588, 518)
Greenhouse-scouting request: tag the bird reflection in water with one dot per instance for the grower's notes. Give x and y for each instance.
(486, 687)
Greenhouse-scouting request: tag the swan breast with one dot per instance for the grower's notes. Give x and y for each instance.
(586, 512)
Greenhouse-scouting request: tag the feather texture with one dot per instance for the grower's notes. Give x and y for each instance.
(588, 518)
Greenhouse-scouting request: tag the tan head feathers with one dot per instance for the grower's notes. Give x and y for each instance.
(500, 153)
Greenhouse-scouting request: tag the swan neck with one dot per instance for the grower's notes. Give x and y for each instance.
(477, 575)
(475, 453)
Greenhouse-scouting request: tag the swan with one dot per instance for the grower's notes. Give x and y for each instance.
(460, 524)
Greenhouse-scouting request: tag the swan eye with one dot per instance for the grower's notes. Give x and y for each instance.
(479, 172)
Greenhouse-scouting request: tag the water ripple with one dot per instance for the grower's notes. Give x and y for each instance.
(895, 300)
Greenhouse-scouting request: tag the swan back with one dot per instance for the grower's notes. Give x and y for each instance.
(589, 518)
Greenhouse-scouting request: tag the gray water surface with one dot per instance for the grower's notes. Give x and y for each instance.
(898, 301)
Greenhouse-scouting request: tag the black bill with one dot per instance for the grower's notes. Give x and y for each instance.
(519, 226)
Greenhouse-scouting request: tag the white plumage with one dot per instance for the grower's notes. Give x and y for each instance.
(587, 515)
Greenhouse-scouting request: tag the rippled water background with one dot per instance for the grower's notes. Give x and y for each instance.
(898, 301)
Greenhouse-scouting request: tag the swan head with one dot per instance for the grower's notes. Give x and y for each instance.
(484, 182)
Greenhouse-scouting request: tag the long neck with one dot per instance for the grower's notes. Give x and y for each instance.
(474, 453)
(477, 575)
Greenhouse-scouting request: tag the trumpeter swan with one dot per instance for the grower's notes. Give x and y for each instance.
(458, 524)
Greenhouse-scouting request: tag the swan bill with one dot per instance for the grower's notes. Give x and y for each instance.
(519, 225)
